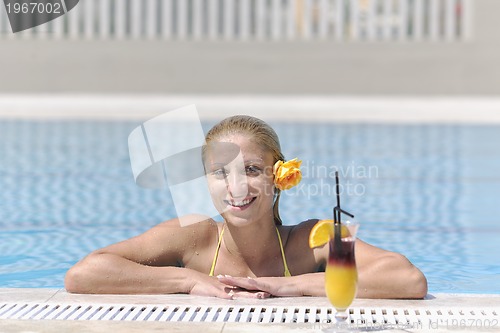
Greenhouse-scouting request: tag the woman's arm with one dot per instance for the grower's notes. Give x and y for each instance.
(384, 274)
(381, 273)
(108, 273)
(146, 264)
(111, 274)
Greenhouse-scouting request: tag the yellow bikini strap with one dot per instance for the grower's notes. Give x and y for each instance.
(216, 253)
(214, 262)
(287, 271)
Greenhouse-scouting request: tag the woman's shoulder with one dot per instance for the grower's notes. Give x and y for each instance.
(303, 259)
(184, 235)
(300, 228)
(298, 233)
(168, 242)
(193, 224)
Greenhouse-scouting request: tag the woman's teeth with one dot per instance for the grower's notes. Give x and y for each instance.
(240, 203)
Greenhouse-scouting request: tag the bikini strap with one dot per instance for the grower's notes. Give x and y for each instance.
(287, 271)
(214, 262)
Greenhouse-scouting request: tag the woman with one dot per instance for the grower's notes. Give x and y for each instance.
(249, 255)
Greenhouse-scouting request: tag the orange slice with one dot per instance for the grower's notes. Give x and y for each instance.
(322, 232)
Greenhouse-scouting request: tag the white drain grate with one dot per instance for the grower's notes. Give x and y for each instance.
(367, 317)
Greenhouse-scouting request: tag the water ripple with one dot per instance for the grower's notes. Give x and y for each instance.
(428, 191)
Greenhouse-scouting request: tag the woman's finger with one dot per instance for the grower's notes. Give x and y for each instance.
(250, 294)
(245, 283)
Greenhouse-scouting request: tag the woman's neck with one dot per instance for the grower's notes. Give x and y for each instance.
(253, 243)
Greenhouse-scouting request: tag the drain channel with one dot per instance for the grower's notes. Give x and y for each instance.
(368, 317)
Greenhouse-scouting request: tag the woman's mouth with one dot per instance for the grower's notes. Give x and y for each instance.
(240, 204)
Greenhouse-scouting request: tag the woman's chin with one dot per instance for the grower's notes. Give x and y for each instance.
(237, 220)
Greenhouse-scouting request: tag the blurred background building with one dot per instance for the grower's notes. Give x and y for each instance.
(325, 47)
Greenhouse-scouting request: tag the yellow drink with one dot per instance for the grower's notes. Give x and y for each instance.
(341, 275)
(341, 285)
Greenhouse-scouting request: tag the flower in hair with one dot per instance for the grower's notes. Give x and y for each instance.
(287, 174)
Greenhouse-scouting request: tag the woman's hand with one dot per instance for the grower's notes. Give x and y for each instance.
(209, 286)
(262, 286)
(204, 285)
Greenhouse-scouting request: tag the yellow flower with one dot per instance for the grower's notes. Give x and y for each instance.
(287, 174)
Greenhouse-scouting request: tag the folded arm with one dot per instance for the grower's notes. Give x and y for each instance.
(384, 274)
(148, 264)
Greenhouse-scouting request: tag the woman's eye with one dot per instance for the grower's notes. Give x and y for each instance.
(219, 173)
(252, 170)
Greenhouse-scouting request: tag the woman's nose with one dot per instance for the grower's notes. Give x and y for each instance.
(237, 185)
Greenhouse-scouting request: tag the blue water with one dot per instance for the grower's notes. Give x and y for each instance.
(430, 192)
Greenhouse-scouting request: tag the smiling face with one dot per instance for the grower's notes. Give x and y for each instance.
(240, 179)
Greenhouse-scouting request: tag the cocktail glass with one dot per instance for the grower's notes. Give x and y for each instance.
(341, 275)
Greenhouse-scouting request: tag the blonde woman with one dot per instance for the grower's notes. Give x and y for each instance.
(250, 254)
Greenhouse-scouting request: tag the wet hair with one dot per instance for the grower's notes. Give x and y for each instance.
(259, 132)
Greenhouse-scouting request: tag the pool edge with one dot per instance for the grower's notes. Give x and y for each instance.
(433, 302)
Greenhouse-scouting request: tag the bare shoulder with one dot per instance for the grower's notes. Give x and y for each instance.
(183, 233)
(302, 258)
(299, 233)
(168, 242)
(193, 226)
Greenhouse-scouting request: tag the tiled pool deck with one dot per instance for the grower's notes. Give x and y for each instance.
(439, 303)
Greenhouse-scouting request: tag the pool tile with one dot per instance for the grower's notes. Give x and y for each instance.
(56, 326)
(26, 294)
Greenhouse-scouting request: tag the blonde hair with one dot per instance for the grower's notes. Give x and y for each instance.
(260, 133)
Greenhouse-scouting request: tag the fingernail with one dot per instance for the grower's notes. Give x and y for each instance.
(228, 276)
(220, 276)
(249, 277)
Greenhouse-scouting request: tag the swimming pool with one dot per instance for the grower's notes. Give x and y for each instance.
(428, 191)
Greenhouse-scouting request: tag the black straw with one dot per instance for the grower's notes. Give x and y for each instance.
(337, 213)
(337, 227)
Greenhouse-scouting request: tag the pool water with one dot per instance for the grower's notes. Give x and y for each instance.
(428, 191)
